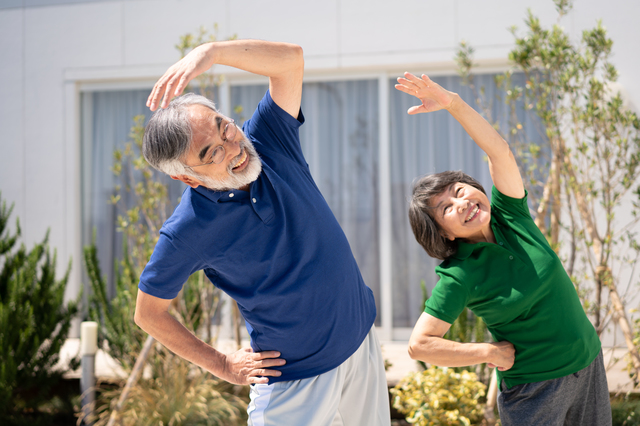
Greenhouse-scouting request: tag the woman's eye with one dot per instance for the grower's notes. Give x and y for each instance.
(458, 191)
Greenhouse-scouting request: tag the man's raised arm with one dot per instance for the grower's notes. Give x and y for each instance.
(283, 63)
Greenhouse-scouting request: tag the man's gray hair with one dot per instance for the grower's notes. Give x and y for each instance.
(168, 134)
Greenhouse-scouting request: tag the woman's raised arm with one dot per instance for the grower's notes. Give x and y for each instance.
(502, 164)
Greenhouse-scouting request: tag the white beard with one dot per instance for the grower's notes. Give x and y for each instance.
(240, 179)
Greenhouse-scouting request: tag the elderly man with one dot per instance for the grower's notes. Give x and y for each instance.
(254, 220)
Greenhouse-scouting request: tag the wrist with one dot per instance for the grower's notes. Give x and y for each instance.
(455, 104)
(488, 353)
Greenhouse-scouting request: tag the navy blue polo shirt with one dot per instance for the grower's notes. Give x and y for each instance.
(277, 250)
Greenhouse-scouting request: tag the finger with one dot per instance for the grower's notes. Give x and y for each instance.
(158, 91)
(270, 362)
(258, 380)
(405, 89)
(413, 91)
(426, 78)
(265, 372)
(169, 93)
(418, 109)
(412, 78)
(407, 83)
(266, 354)
(491, 365)
(181, 85)
(152, 97)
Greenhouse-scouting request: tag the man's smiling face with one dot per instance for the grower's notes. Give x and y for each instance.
(240, 164)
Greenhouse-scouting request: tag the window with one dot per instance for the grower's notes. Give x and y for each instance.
(342, 139)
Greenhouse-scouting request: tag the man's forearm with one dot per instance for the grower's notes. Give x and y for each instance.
(175, 337)
(271, 59)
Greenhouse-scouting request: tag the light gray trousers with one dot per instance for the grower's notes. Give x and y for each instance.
(353, 394)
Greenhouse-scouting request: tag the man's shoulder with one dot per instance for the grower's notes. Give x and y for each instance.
(192, 210)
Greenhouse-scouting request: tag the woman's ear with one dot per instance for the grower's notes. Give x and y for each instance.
(446, 237)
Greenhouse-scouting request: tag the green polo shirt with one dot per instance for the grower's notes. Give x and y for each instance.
(522, 292)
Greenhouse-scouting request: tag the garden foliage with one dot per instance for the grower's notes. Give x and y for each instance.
(439, 397)
(34, 322)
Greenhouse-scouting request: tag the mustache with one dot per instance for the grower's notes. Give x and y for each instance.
(245, 146)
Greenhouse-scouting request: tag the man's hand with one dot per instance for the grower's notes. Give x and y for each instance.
(432, 95)
(503, 356)
(176, 78)
(246, 367)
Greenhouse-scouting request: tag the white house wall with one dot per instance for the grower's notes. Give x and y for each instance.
(49, 52)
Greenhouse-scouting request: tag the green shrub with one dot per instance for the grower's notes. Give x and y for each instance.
(439, 396)
(625, 412)
(34, 323)
(179, 393)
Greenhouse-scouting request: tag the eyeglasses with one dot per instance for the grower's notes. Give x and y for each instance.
(218, 153)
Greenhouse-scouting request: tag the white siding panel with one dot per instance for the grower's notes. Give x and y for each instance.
(11, 111)
(486, 23)
(152, 27)
(385, 27)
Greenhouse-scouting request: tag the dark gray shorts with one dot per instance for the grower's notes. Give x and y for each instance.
(580, 399)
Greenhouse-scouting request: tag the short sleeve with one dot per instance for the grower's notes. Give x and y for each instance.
(273, 130)
(448, 298)
(170, 266)
(508, 207)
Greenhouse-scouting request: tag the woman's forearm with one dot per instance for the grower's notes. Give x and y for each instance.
(502, 163)
(447, 353)
(482, 133)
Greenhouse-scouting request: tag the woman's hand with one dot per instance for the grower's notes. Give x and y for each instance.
(176, 78)
(502, 356)
(432, 95)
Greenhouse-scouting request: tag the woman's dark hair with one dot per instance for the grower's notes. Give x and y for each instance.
(425, 228)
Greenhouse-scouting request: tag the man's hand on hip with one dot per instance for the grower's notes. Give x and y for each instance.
(245, 367)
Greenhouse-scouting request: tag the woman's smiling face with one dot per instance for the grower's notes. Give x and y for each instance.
(463, 212)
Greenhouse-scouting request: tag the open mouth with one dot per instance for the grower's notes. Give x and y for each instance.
(242, 162)
(473, 213)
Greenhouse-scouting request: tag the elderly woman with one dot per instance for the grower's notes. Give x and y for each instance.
(497, 263)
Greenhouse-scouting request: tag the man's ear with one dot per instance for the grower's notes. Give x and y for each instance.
(189, 180)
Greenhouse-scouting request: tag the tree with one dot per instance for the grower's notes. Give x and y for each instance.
(34, 323)
(583, 179)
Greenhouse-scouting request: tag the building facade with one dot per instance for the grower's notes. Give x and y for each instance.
(75, 72)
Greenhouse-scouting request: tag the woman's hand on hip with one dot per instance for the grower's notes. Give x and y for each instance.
(502, 355)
